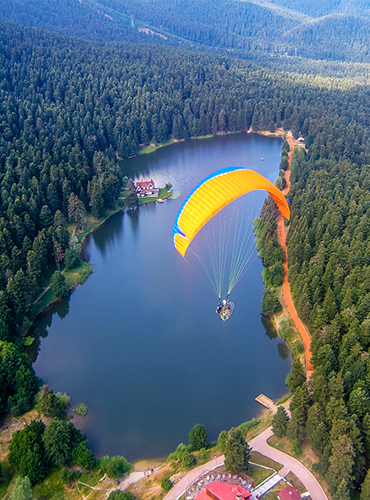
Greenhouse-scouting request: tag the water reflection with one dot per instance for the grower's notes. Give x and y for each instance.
(133, 215)
(39, 329)
(109, 233)
(63, 308)
(85, 249)
(270, 329)
(283, 350)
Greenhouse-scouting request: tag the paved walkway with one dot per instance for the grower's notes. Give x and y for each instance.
(258, 444)
(267, 485)
(290, 464)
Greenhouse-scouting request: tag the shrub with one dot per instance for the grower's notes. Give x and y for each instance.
(246, 426)
(81, 410)
(117, 466)
(121, 495)
(222, 437)
(296, 447)
(203, 453)
(66, 475)
(103, 463)
(197, 437)
(82, 456)
(64, 399)
(166, 484)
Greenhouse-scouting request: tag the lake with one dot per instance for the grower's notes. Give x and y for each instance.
(139, 343)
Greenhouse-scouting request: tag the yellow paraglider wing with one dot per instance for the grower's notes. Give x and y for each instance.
(212, 194)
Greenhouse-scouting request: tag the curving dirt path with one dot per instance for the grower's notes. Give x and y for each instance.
(286, 288)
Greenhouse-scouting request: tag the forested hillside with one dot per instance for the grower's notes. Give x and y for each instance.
(335, 30)
(70, 17)
(318, 8)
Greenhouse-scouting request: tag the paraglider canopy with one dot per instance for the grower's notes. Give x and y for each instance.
(230, 247)
(212, 194)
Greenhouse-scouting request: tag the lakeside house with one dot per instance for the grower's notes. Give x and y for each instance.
(146, 189)
(223, 491)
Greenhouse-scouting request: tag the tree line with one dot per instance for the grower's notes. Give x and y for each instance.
(328, 261)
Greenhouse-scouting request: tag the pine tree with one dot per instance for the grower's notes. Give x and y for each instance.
(237, 452)
(58, 284)
(365, 488)
(22, 489)
(97, 202)
(197, 437)
(280, 422)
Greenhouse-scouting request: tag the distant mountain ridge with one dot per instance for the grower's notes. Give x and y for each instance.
(335, 30)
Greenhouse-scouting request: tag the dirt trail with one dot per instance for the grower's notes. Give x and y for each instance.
(286, 288)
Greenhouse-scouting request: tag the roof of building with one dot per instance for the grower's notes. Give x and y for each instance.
(224, 491)
(289, 493)
(203, 495)
(144, 184)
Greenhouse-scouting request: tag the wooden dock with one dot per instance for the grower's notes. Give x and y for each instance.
(264, 401)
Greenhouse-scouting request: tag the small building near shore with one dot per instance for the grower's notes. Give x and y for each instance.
(289, 493)
(146, 189)
(223, 491)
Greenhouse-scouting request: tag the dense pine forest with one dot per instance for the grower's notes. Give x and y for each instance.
(69, 106)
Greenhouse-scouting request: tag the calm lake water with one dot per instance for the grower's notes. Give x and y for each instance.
(139, 343)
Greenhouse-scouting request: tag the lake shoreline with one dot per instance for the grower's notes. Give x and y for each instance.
(96, 225)
(144, 150)
(148, 227)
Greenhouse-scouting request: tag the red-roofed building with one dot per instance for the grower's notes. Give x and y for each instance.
(289, 493)
(146, 188)
(223, 491)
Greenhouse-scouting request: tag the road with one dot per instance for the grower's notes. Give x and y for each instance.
(286, 288)
(259, 443)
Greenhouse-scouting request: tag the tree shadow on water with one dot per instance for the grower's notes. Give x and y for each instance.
(133, 215)
(39, 329)
(108, 232)
(270, 330)
(283, 350)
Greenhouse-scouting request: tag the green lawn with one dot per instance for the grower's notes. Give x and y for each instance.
(74, 276)
(267, 462)
(259, 474)
(163, 193)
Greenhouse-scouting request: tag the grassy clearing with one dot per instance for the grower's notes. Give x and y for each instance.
(296, 482)
(273, 493)
(265, 421)
(52, 487)
(259, 474)
(265, 461)
(93, 223)
(282, 401)
(75, 276)
(163, 193)
(143, 150)
(308, 457)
